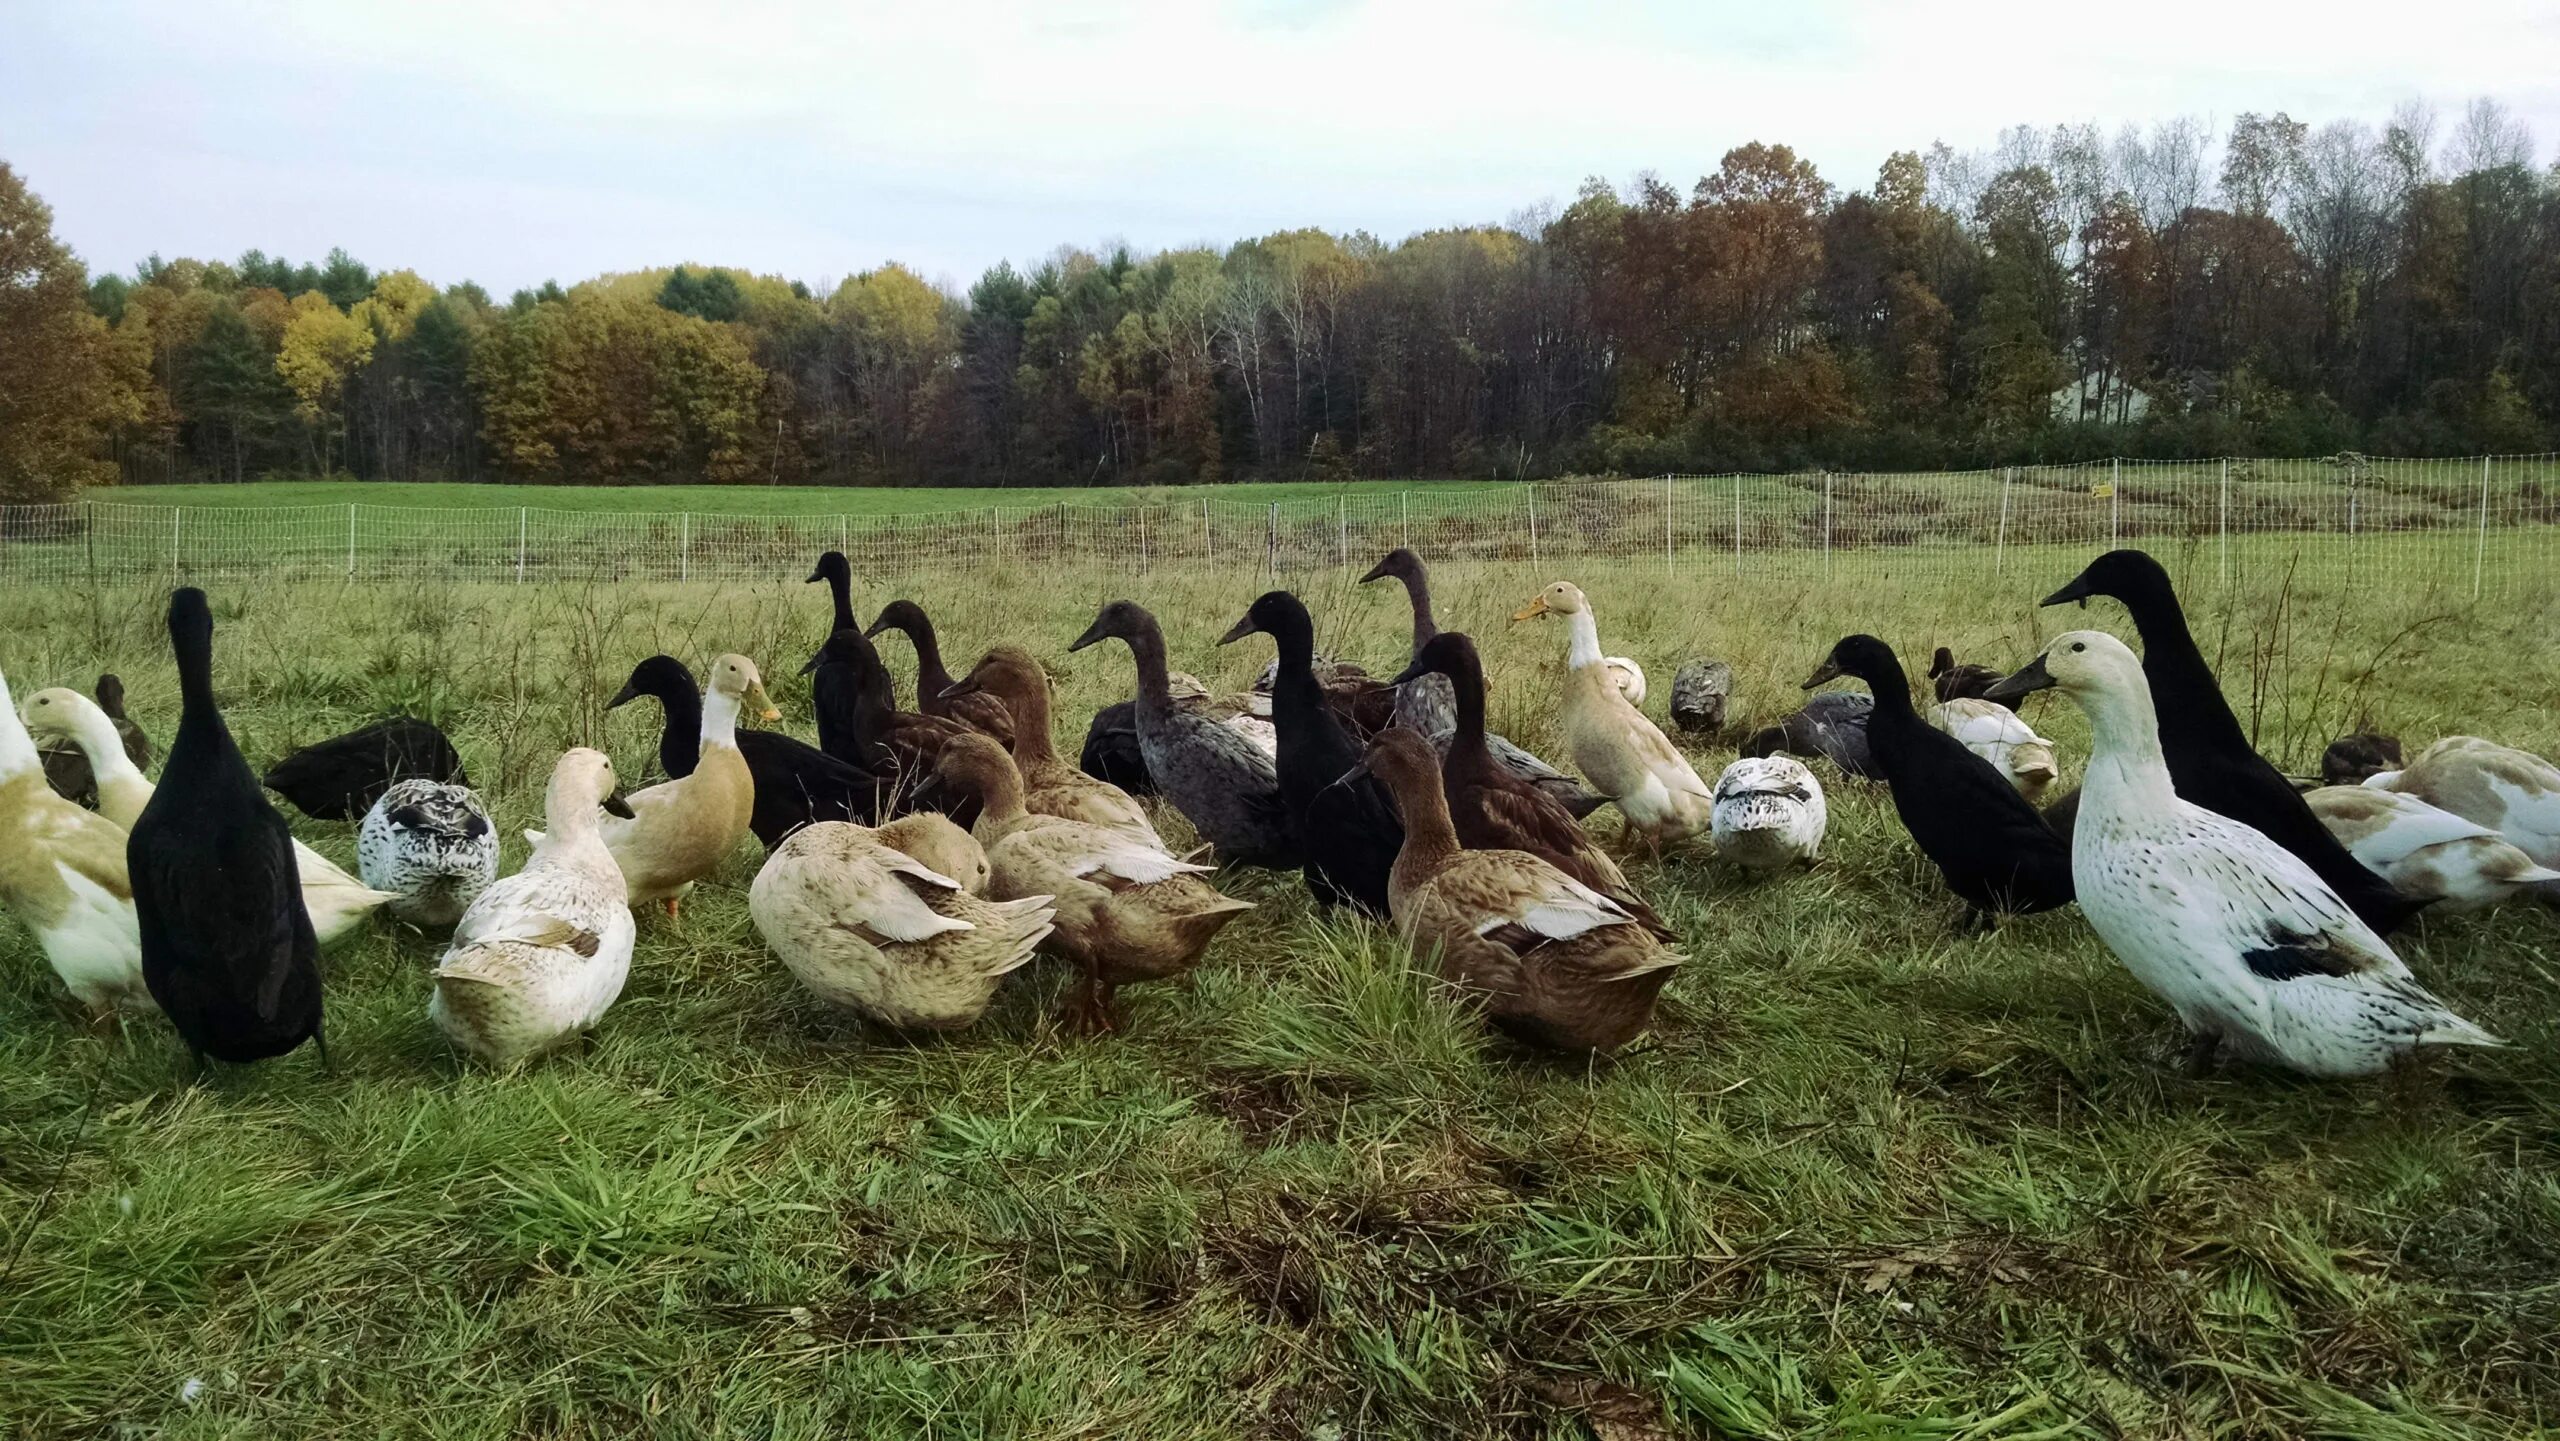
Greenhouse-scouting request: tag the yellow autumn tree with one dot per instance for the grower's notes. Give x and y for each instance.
(322, 346)
(391, 312)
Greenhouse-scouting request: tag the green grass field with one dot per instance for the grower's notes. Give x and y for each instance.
(1868, 1179)
(738, 499)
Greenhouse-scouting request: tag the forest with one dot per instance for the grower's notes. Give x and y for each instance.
(2268, 287)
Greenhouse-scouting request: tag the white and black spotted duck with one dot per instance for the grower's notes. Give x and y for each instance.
(430, 844)
(1227, 786)
(2239, 935)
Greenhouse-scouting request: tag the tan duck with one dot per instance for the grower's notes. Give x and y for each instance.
(337, 901)
(681, 830)
(870, 926)
(2515, 793)
(1126, 911)
(62, 872)
(1553, 961)
(539, 957)
(1624, 756)
(1050, 786)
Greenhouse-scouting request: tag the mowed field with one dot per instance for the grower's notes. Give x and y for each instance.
(1866, 1179)
(739, 499)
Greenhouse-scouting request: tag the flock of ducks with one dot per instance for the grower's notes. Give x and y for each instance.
(914, 859)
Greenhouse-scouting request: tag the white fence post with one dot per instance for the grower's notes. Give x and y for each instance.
(521, 513)
(2226, 525)
(1404, 512)
(1342, 523)
(1737, 525)
(1666, 524)
(1208, 537)
(1826, 522)
(2000, 545)
(175, 511)
(1271, 540)
(684, 545)
(2115, 504)
(1142, 538)
(1532, 492)
(2480, 551)
(351, 540)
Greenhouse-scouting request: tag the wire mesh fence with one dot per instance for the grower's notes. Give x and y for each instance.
(2484, 524)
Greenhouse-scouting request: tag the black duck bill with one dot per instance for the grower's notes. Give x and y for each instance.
(1824, 673)
(2024, 681)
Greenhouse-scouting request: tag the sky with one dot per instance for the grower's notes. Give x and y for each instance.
(510, 141)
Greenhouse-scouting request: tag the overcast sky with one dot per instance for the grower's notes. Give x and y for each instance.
(507, 141)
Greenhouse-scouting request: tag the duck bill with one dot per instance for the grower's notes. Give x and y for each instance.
(2077, 590)
(1536, 607)
(756, 701)
(1823, 674)
(2025, 681)
(965, 685)
(1092, 633)
(623, 697)
(877, 626)
(1376, 572)
(1238, 631)
(615, 805)
(1411, 673)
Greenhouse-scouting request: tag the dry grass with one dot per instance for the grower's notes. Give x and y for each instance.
(1867, 1180)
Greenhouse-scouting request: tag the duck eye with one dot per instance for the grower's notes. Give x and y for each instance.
(2079, 645)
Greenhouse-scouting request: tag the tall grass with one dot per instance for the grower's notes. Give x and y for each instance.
(1866, 1179)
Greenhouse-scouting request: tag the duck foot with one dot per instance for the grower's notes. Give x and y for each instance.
(1976, 922)
(671, 904)
(2204, 1052)
(1088, 1009)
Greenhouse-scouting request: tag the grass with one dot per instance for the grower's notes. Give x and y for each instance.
(827, 500)
(1867, 1179)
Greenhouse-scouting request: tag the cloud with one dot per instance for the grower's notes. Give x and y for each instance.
(508, 142)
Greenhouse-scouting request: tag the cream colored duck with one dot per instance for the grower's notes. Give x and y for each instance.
(1628, 677)
(1624, 756)
(62, 872)
(1553, 961)
(337, 901)
(870, 926)
(2429, 854)
(2515, 793)
(1125, 911)
(1995, 733)
(681, 830)
(1769, 813)
(2245, 941)
(538, 958)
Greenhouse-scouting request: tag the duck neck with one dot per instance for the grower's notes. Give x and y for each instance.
(840, 584)
(17, 748)
(1030, 706)
(931, 678)
(569, 813)
(2126, 773)
(1000, 795)
(1417, 589)
(1466, 692)
(680, 737)
(2175, 666)
(1430, 838)
(1155, 682)
(1582, 643)
(719, 720)
(94, 731)
(1295, 685)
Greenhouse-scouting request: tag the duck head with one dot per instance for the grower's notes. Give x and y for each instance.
(735, 676)
(1448, 653)
(971, 764)
(2130, 576)
(901, 615)
(1402, 761)
(1561, 598)
(1397, 564)
(584, 778)
(1003, 672)
(2349, 760)
(1864, 657)
(660, 676)
(1275, 613)
(833, 568)
(2081, 664)
(1125, 619)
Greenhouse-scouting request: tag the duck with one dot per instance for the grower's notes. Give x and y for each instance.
(1552, 962)
(227, 945)
(1954, 682)
(2515, 793)
(1426, 704)
(1831, 726)
(1125, 911)
(680, 830)
(1989, 845)
(937, 841)
(337, 901)
(796, 783)
(1625, 756)
(1227, 786)
(62, 872)
(339, 779)
(1700, 691)
(1111, 754)
(867, 925)
(1050, 787)
(1769, 813)
(859, 723)
(2431, 855)
(1345, 821)
(982, 713)
(1627, 676)
(1995, 733)
(2353, 757)
(432, 847)
(2209, 756)
(2244, 940)
(1490, 806)
(66, 766)
(837, 572)
(538, 958)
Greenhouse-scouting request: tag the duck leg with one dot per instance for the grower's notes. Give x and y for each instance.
(2204, 1049)
(320, 1043)
(1088, 1010)
(671, 904)
(1976, 921)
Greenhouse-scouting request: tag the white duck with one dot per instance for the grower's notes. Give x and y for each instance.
(62, 872)
(1625, 756)
(338, 902)
(539, 956)
(1628, 677)
(2515, 793)
(432, 845)
(1997, 734)
(1769, 813)
(2429, 854)
(2249, 946)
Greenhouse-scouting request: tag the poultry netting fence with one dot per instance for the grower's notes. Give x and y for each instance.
(2472, 528)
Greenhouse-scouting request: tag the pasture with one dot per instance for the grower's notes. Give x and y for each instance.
(1867, 1179)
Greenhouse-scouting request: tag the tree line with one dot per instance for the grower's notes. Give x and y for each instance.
(2274, 288)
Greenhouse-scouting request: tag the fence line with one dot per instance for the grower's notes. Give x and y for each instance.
(2364, 519)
